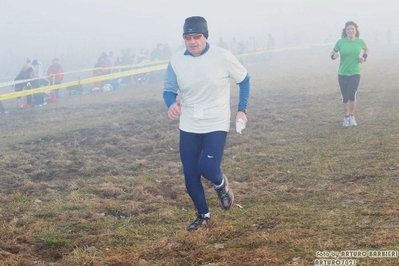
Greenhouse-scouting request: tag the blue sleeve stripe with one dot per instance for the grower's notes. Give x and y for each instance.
(169, 98)
(170, 82)
(244, 93)
(170, 86)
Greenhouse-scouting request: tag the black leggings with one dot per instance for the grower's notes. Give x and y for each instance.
(348, 85)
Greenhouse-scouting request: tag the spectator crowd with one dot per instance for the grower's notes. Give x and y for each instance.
(32, 75)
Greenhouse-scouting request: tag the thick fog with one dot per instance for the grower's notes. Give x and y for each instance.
(77, 31)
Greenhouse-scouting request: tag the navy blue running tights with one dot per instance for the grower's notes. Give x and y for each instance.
(201, 155)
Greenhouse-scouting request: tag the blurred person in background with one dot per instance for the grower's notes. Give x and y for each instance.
(143, 59)
(28, 64)
(353, 52)
(110, 59)
(251, 46)
(127, 60)
(166, 52)
(118, 61)
(234, 46)
(26, 85)
(141, 56)
(156, 54)
(202, 75)
(101, 68)
(38, 72)
(55, 74)
(222, 43)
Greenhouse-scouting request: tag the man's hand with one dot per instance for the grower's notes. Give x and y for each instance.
(174, 110)
(241, 115)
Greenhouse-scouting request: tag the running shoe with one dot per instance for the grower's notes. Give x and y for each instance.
(352, 121)
(225, 194)
(346, 122)
(200, 221)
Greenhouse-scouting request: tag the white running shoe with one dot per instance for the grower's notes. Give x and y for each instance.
(352, 121)
(346, 122)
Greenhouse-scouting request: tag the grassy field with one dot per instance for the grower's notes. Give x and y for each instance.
(96, 179)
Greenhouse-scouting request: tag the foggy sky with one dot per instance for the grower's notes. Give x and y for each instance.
(77, 31)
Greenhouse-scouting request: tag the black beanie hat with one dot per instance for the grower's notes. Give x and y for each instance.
(195, 25)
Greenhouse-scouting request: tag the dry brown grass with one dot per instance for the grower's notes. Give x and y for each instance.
(96, 179)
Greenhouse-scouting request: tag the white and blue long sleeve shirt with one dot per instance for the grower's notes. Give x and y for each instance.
(204, 84)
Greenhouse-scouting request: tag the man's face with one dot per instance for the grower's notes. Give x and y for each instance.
(195, 43)
(56, 62)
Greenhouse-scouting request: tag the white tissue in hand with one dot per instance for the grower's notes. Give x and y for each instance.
(240, 125)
